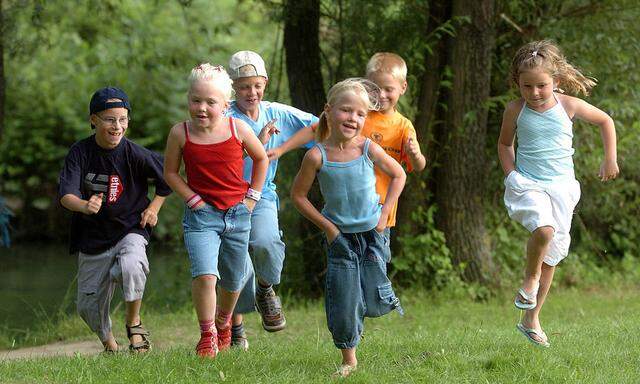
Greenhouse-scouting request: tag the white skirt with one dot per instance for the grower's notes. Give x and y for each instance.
(535, 204)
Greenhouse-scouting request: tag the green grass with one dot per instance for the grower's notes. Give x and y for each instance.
(593, 334)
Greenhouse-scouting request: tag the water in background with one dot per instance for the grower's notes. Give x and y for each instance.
(39, 281)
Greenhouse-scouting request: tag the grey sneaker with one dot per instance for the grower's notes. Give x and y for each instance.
(240, 341)
(270, 309)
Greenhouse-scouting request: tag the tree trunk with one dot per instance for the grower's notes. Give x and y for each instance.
(2, 82)
(306, 86)
(460, 178)
(302, 47)
(427, 118)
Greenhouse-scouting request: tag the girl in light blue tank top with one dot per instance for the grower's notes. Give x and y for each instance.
(540, 188)
(545, 151)
(349, 191)
(352, 219)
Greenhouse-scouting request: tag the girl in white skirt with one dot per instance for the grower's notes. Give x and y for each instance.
(540, 186)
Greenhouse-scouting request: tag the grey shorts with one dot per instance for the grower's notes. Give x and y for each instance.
(123, 265)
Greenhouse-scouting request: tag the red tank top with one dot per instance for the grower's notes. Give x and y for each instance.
(214, 171)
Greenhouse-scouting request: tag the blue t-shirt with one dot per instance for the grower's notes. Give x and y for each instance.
(122, 174)
(289, 120)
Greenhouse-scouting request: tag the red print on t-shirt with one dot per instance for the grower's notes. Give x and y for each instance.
(115, 189)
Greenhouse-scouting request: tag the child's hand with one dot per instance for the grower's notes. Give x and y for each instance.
(250, 203)
(332, 234)
(412, 147)
(608, 170)
(93, 204)
(149, 216)
(382, 222)
(268, 130)
(274, 154)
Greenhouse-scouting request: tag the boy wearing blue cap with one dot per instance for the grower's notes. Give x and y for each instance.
(104, 182)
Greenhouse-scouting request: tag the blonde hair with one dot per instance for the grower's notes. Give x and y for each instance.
(363, 88)
(215, 74)
(386, 62)
(546, 55)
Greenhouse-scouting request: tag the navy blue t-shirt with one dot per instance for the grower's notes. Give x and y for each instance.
(122, 174)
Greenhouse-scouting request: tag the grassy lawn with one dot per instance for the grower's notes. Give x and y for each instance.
(593, 335)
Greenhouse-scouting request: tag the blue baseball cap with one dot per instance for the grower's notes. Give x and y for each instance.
(99, 101)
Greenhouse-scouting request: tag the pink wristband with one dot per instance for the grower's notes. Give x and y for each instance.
(193, 200)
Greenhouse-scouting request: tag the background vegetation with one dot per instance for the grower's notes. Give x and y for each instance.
(56, 53)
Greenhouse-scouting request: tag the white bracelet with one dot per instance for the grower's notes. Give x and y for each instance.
(253, 194)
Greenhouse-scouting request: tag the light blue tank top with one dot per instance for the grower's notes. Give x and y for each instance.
(349, 191)
(545, 149)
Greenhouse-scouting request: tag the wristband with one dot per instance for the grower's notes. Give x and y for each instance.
(253, 194)
(193, 200)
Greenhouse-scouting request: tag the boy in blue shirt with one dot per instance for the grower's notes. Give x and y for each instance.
(274, 123)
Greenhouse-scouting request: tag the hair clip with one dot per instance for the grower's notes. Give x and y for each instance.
(534, 53)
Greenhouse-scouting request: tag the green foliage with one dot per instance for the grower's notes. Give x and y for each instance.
(425, 260)
(59, 52)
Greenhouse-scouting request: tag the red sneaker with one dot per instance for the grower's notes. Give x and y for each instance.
(224, 338)
(208, 344)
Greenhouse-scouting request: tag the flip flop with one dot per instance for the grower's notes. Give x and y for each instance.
(530, 299)
(530, 332)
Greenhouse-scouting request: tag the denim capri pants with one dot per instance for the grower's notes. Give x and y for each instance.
(217, 242)
(357, 285)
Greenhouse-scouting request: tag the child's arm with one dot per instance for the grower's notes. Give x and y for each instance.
(584, 111)
(76, 204)
(256, 152)
(300, 138)
(172, 161)
(506, 152)
(416, 158)
(393, 169)
(300, 189)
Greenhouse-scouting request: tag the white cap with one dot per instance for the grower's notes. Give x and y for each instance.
(246, 64)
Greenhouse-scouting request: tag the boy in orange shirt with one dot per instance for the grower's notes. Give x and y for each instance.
(387, 127)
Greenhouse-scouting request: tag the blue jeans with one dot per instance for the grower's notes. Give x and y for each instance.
(357, 285)
(267, 253)
(217, 242)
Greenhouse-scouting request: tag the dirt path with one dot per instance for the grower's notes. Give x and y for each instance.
(88, 347)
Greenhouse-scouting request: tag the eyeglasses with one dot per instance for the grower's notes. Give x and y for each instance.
(123, 121)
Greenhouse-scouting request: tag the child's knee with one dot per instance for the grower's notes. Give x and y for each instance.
(543, 234)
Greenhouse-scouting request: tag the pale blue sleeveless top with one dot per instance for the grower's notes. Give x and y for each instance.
(349, 191)
(545, 149)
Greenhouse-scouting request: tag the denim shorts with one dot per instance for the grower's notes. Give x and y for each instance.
(357, 285)
(217, 242)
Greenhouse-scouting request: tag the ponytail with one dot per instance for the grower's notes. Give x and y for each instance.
(322, 132)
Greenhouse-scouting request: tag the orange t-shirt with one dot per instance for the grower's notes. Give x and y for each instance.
(391, 132)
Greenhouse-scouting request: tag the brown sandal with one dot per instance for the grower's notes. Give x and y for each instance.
(142, 346)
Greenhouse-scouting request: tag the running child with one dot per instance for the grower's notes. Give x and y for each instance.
(218, 201)
(104, 182)
(352, 219)
(387, 127)
(274, 123)
(541, 190)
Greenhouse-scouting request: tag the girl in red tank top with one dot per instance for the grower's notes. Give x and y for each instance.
(218, 202)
